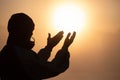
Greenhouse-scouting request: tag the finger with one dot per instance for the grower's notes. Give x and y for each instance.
(72, 37)
(49, 36)
(60, 32)
(68, 35)
(59, 35)
(66, 42)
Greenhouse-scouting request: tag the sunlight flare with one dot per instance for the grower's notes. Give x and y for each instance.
(69, 18)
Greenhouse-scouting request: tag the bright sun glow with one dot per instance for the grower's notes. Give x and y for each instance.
(69, 18)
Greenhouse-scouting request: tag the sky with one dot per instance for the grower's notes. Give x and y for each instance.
(95, 53)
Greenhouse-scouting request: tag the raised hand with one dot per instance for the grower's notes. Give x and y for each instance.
(51, 42)
(68, 41)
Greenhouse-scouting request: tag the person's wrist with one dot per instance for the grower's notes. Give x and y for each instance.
(65, 48)
(49, 47)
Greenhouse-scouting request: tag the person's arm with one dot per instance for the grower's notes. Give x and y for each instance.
(44, 53)
(42, 69)
(61, 61)
(37, 69)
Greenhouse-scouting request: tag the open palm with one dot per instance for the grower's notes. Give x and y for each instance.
(51, 42)
(68, 41)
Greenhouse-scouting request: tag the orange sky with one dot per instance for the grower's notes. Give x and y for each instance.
(95, 53)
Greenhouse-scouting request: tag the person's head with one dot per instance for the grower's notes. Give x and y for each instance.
(20, 28)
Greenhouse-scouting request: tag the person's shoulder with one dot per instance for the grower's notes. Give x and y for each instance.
(23, 50)
(25, 55)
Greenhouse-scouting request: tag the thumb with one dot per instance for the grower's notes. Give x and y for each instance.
(49, 36)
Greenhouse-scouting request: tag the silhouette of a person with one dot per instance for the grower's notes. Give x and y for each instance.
(19, 62)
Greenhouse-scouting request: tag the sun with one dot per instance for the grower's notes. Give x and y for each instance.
(69, 18)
